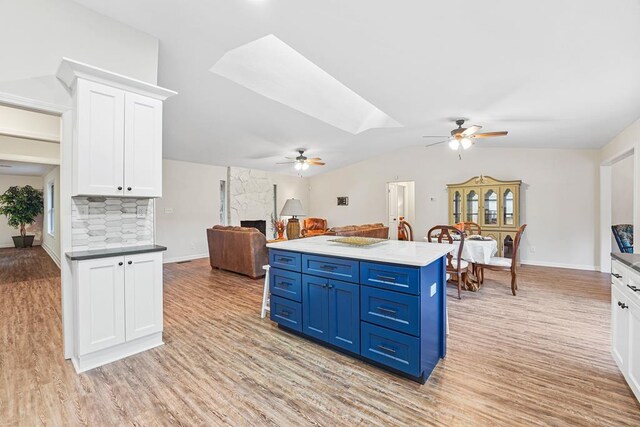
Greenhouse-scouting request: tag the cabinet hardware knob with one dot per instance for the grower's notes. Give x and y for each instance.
(387, 310)
(387, 278)
(119, 188)
(120, 263)
(328, 267)
(128, 188)
(622, 305)
(129, 262)
(633, 288)
(617, 276)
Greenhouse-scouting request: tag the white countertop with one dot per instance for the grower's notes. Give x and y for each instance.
(391, 251)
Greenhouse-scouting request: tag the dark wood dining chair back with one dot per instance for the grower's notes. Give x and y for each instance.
(470, 228)
(503, 264)
(449, 234)
(405, 231)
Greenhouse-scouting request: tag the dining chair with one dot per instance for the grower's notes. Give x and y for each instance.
(405, 231)
(624, 237)
(504, 264)
(456, 265)
(469, 228)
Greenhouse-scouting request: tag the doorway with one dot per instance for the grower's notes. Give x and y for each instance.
(400, 205)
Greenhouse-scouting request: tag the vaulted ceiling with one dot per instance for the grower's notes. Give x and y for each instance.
(554, 73)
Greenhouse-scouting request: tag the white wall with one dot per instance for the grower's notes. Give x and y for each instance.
(192, 192)
(7, 232)
(30, 151)
(29, 124)
(558, 200)
(36, 34)
(51, 243)
(622, 191)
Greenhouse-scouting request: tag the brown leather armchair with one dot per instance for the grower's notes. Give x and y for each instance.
(239, 249)
(314, 227)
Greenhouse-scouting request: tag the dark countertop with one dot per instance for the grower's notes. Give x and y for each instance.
(631, 260)
(106, 253)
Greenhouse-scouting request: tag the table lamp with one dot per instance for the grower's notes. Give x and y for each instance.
(293, 209)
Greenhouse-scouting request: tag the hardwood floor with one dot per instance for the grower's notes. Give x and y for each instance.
(541, 358)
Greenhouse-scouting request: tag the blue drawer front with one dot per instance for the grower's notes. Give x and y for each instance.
(286, 284)
(393, 310)
(331, 268)
(392, 277)
(284, 259)
(391, 348)
(286, 312)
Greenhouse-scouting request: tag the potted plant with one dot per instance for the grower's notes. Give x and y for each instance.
(21, 206)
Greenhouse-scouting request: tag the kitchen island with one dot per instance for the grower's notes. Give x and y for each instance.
(384, 303)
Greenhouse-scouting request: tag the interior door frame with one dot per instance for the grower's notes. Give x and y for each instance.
(606, 201)
(65, 112)
(410, 201)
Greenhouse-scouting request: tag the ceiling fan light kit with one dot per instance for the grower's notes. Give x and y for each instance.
(463, 138)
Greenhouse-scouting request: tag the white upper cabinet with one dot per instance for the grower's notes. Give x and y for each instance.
(98, 162)
(143, 146)
(118, 132)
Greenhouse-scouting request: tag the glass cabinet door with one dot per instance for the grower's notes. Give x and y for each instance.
(490, 207)
(472, 204)
(509, 207)
(456, 207)
(507, 244)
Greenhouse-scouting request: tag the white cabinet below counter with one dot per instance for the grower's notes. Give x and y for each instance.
(118, 303)
(625, 319)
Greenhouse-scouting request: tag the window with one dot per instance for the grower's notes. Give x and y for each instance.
(51, 223)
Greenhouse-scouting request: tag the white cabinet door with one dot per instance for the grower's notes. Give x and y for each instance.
(143, 294)
(619, 327)
(101, 314)
(633, 361)
(99, 144)
(143, 146)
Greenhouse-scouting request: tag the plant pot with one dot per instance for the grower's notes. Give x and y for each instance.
(23, 242)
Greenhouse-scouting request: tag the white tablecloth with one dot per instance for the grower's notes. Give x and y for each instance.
(477, 251)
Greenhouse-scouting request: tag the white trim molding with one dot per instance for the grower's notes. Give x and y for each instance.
(51, 254)
(185, 258)
(562, 265)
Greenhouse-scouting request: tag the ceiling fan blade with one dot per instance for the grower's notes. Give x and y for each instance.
(436, 143)
(314, 158)
(471, 130)
(315, 163)
(435, 136)
(285, 163)
(489, 134)
(291, 158)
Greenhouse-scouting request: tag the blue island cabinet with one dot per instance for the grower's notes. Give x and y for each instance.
(389, 315)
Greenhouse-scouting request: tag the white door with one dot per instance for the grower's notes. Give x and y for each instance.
(143, 294)
(99, 143)
(101, 316)
(392, 191)
(633, 362)
(619, 328)
(143, 146)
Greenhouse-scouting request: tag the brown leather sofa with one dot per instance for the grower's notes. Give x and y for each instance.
(314, 227)
(239, 249)
(377, 230)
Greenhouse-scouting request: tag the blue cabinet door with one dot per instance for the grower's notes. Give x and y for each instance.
(344, 315)
(315, 307)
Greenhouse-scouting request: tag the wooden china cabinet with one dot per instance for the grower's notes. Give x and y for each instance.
(491, 203)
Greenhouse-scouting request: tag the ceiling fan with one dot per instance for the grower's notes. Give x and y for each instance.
(463, 138)
(302, 162)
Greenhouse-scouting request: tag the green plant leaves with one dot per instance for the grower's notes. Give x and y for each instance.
(21, 206)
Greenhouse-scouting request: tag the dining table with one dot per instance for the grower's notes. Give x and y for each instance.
(474, 251)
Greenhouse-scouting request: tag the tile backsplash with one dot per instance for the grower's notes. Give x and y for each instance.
(110, 222)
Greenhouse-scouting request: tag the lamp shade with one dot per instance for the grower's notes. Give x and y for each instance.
(292, 207)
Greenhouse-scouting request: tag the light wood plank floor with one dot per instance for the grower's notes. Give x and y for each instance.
(541, 358)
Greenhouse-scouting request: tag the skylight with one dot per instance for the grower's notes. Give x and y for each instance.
(271, 68)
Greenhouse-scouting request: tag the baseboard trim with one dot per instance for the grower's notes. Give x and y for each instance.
(185, 258)
(561, 265)
(51, 254)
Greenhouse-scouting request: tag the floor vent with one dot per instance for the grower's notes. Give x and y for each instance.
(183, 262)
